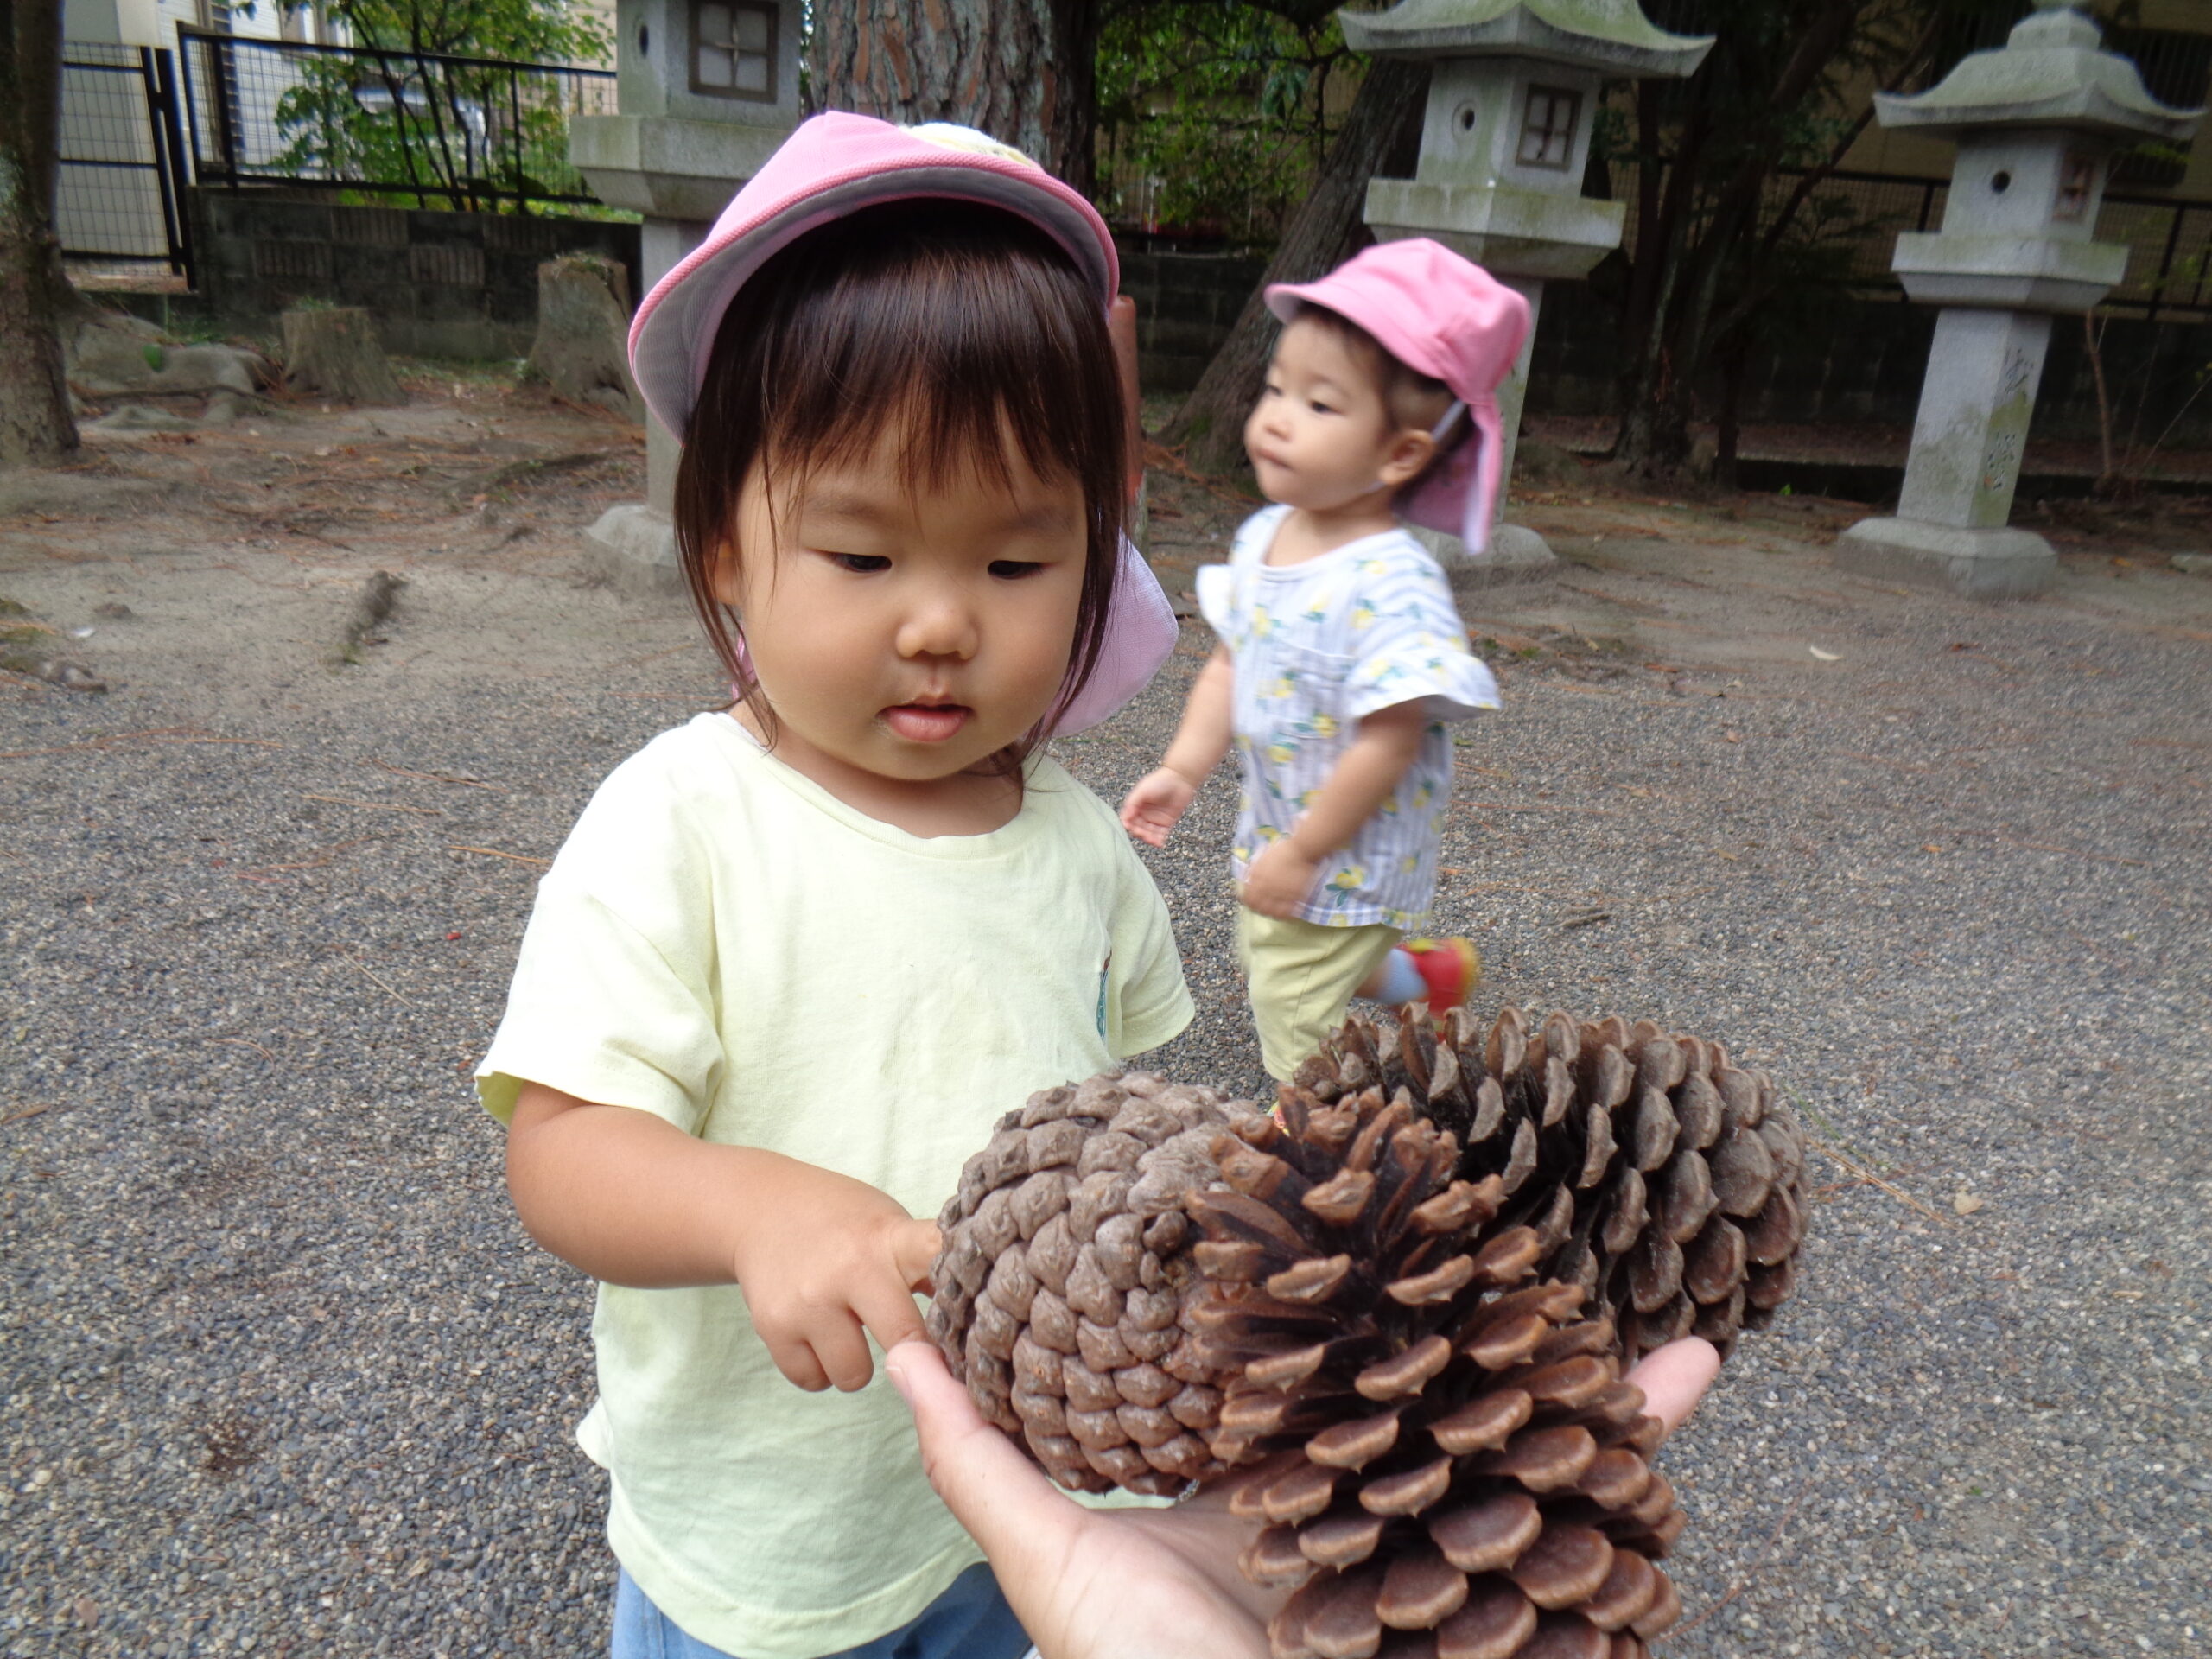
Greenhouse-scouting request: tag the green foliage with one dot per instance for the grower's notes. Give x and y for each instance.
(1212, 114)
(523, 31)
(469, 136)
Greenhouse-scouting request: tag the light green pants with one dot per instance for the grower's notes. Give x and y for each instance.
(1301, 976)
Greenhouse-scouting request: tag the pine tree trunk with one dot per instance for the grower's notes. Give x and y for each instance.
(1326, 230)
(1023, 71)
(35, 425)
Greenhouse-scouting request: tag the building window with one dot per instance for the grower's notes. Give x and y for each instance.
(2077, 182)
(1548, 127)
(733, 49)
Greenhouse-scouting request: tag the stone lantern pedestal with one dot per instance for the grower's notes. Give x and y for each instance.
(2035, 123)
(1513, 94)
(706, 90)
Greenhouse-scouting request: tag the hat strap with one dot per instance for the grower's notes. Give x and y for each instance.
(1443, 424)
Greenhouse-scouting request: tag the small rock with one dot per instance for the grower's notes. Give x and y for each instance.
(2193, 564)
(114, 611)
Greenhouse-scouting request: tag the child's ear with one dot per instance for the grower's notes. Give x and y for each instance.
(1409, 452)
(723, 576)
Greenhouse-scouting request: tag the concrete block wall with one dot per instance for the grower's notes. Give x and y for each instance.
(438, 284)
(1186, 304)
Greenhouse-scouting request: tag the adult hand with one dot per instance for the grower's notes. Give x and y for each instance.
(1152, 810)
(1279, 880)
(1137, 1584)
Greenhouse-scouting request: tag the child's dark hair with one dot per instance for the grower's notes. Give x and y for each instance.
(968, 323)
(1409, 397)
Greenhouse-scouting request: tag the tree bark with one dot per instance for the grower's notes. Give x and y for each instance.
(35, 425)
(1023, 71)
(1325, 230)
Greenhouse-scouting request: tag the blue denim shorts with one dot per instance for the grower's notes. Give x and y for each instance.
(970, 1620)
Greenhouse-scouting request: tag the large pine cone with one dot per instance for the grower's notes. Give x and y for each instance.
(1390, 1327)
(1064, 1282)
(1672, 1180)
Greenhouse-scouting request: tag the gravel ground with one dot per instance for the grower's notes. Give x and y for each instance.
(283, 1375)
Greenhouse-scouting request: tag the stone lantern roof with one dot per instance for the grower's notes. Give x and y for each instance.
(1612, 37)
(2052, 72)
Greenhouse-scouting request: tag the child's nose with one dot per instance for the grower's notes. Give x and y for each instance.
(943, 627)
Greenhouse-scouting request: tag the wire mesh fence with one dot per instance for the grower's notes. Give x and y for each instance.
(118, 197)
(470, 134)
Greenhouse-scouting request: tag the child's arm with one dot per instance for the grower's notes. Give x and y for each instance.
(1282, 875)
(1160, 798)
(632, 1199)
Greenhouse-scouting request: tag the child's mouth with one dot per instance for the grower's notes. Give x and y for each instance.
(926, 722)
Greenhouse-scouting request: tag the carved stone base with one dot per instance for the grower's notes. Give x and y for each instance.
(2003, 563)
(1517, 554)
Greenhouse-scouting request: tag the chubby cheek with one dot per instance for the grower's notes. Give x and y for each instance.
(1040, 639)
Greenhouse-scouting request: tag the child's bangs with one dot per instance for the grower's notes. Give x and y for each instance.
(967, 364)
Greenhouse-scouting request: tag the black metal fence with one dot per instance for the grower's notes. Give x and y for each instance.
(119, 199)
(469, 134)
(2169, 238)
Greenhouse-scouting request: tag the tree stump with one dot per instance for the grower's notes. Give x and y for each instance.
(581, 349)
(332, 352)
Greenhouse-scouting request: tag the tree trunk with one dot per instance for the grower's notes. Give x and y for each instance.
(1023, 71)
(1325, 230)
(35, 425)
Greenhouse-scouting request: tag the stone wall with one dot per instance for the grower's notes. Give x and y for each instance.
(438, 284)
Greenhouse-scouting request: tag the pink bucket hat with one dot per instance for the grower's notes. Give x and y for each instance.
(836, 164)
(1446, 317)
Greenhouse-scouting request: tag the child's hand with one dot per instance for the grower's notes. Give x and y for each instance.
(1279, 880)
(1157, 804)
(827, 1262)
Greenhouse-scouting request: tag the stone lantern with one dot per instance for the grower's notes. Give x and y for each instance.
(1513, 94)
(706, 90)
(2035, 123)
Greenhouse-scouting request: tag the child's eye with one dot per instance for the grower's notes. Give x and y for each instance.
(1015, 570)
(859, 564)
(1320, 408)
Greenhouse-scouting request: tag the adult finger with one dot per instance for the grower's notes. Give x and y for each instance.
(1002, 1499)
(1674, 1378)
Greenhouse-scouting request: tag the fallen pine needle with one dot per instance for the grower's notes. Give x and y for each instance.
(365, 969)
(166, 735)
(1500, 806)
(377, 806)
(28, 1111)
(1873, 1179)
(245, 1042)
(323, 856)
(494, 852)
(435, 777)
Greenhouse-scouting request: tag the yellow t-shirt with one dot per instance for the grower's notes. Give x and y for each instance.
(725, 945)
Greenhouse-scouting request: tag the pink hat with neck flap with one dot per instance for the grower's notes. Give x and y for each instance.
(1446, 317)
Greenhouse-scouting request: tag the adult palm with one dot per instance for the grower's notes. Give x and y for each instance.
(1136, 1583)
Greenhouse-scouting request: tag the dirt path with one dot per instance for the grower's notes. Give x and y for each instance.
(282, 1376)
